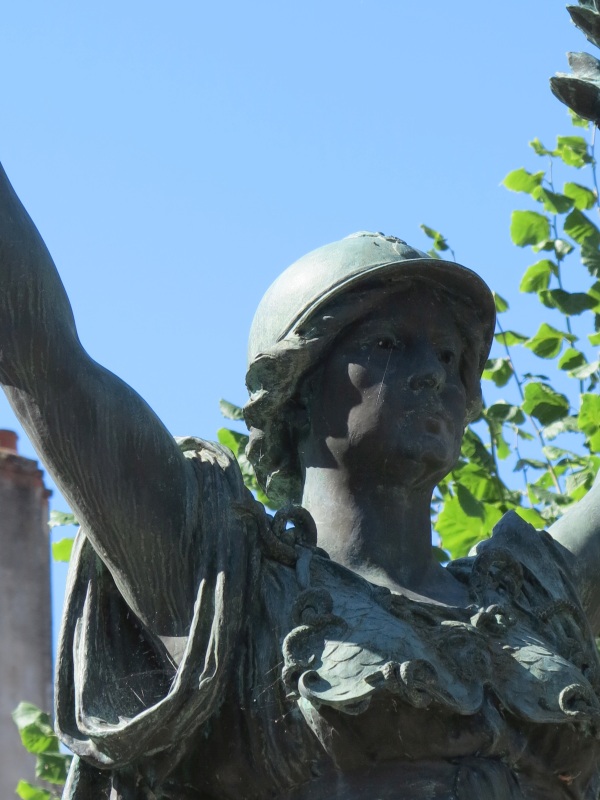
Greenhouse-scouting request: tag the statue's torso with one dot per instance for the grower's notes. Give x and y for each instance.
(344, 689)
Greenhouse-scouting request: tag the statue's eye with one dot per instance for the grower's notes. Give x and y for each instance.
(447, 356)
(385, 343)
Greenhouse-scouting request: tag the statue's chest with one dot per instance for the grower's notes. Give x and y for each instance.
(376, 672)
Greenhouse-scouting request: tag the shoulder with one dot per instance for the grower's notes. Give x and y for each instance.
(213, 462)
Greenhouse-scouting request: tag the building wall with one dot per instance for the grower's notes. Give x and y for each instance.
(25, 621)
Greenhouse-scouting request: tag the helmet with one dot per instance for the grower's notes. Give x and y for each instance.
(290, 335)
(314, 280)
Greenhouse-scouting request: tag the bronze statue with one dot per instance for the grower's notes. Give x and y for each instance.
(209, 651)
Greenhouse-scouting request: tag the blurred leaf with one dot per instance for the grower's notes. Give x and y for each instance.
(590, 258)
(594, 338)
(26, 791)
(441, 556)
(501, 303)
(568, 303)
(582, 229)
(61, 550)
(230, 411)
(510, 337)
(35, 729)
(562, 248)
(568, 424)
(475, 451)
(460, 531)
(532, 516)
(529, 463)
(498, 370)
(505, 412)
(529, 227)
(235, 441)
(582, 197)
(539, 148)
(553, 202)
(538, 275)
(545, 404)
(58, 518)
(52, 768)
(439, 242)
(573, 150)
(589, 419)
(519, 180)
(577, 121)
(584, 371)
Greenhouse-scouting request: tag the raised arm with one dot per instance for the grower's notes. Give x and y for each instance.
(112, 458)
(579, 533)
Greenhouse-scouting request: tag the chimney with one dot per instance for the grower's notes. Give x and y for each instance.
(8, 441)
(25, 627)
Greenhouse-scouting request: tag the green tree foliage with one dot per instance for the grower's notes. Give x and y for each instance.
(38, 738)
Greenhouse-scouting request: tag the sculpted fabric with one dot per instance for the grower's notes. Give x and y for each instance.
(295, 676)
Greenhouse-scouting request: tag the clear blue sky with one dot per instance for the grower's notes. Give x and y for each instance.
(177, 158)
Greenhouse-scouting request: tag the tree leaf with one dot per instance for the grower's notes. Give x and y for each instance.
(553, 202)
(529, 463)
(529, 227)
(573, 150)
(589, 420)
(545, 404)
(568, 303)
(58, 518)
(61, 550)
(26, 791)
(562, 248)
(440, 555)
(577, 121)
(459, 531)
(539, 148)
(537, 276)
(230, 411)
(567, 424)
(502, 411)
(439, 242)
(498, 370)
(571, 359)
(519, 180)
(35, 729)
(547, 342)
(582, 229)
(500, 302)
(510, 338)
(469, 504)
(235, 441)
(585, 370)
(52, 767)
(594, 338)
(590, 258)
(532, 516)
(583, 198)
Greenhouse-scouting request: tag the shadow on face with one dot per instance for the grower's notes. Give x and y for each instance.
(389, 403)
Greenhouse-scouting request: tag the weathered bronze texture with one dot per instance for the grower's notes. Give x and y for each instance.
(211, 651)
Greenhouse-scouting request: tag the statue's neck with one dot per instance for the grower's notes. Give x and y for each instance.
(383, 533)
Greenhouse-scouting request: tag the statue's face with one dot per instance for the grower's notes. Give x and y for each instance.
(390, 400)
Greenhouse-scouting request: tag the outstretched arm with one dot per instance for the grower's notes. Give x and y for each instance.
(579, 533)
(112, 458)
